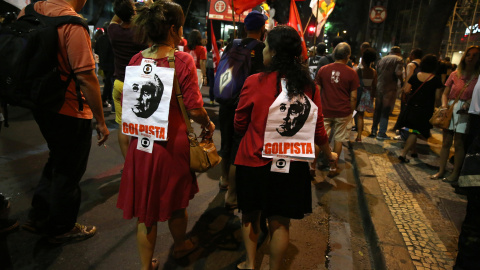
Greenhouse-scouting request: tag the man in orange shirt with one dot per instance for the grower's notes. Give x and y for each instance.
(68, 132)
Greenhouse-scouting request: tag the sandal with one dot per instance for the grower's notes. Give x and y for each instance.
(403, 159)
(177, 255)
(238, 268)
(436, 176)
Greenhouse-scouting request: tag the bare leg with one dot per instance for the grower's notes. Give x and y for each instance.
(250, 232)
(459, 155)
(411, 140)
(359, 125)
(279, 239)
(231, 198)
(146, 237)
(123, 142)
(225, 171)
(177, 224)
(337, 148)
(444, 153)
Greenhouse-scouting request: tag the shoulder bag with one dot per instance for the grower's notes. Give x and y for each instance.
(442, 116)
(203, 155)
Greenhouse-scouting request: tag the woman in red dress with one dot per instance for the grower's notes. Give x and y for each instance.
(158, 186)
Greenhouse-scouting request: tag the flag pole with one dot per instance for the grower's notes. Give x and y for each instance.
(233, 20)
(316, 25)
(306, 26)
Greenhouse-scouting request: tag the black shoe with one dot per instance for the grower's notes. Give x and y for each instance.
(372, 135)
(461, 191)
(403, 159)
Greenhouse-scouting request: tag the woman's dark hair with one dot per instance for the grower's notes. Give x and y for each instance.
(287, 45)
(194, 39)
(416, 53)
(153, 23)
(124, 10)
(429, 63)
(369, 56)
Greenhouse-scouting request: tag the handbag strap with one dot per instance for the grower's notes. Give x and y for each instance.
(461, 92)
(171, 63)
(419, 88)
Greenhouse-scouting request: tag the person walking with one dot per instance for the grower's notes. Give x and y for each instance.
(460, 84)
(420, 90)
(338, 84)
(368, 83)
(390, 76)
(68, 132)
(469, 182)
(158, 186)
(199, 53)
(287, 102)
(255, 29)
(124, 47)
(103, 48)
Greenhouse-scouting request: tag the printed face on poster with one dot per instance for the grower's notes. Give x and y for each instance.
(147, 92)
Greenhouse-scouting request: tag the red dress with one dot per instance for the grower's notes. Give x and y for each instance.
(154, 185)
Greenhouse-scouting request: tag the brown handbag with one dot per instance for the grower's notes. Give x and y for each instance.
(203, 155)
(441, 116)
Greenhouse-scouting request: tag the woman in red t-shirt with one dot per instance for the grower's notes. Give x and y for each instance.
(158, 186)
(199, 54)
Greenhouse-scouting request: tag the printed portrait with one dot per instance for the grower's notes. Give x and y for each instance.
(149, 97)
(296, 114)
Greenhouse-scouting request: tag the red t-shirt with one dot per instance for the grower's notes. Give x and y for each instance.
(200, 53)
(251, 117)
(336, 81)
(74, 53)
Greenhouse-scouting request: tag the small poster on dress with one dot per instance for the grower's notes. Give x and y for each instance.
(147, 91)
(290, 128)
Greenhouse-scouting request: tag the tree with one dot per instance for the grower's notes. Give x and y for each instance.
(439, 11)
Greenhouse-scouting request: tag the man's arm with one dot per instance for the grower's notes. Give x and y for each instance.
(91, 90)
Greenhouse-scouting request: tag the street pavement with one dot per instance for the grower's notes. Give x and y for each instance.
(377, 213)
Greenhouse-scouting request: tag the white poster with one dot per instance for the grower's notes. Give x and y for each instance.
(147, 91)
(290, 128)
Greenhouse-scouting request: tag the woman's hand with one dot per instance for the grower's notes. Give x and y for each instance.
(207, 131)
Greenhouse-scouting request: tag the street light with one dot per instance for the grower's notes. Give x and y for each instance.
(344, 31)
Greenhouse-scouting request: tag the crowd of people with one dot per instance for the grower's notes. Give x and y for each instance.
(285, 116)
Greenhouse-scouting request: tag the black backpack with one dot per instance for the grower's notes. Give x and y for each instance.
(29, 75)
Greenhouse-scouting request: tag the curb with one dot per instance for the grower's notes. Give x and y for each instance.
(387, 247)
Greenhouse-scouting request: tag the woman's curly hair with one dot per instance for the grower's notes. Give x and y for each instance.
(287, 61)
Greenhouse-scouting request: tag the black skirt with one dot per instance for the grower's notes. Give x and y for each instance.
(283, 194)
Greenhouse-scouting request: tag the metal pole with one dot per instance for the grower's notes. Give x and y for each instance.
(416, 24)
(473, 21)
(450, 32)
(188, 9)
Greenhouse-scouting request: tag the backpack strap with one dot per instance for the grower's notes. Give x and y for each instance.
(57, 22)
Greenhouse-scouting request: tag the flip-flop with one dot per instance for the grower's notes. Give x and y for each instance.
(177, 255)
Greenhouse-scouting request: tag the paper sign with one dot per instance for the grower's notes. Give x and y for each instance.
(145, 144)
(147, 91)
(280, 164)
(290, 128)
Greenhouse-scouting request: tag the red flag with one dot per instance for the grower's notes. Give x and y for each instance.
(242, 5)
(294, 21)
(216, 53)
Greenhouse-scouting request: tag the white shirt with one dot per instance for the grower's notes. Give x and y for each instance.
(475, 103)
